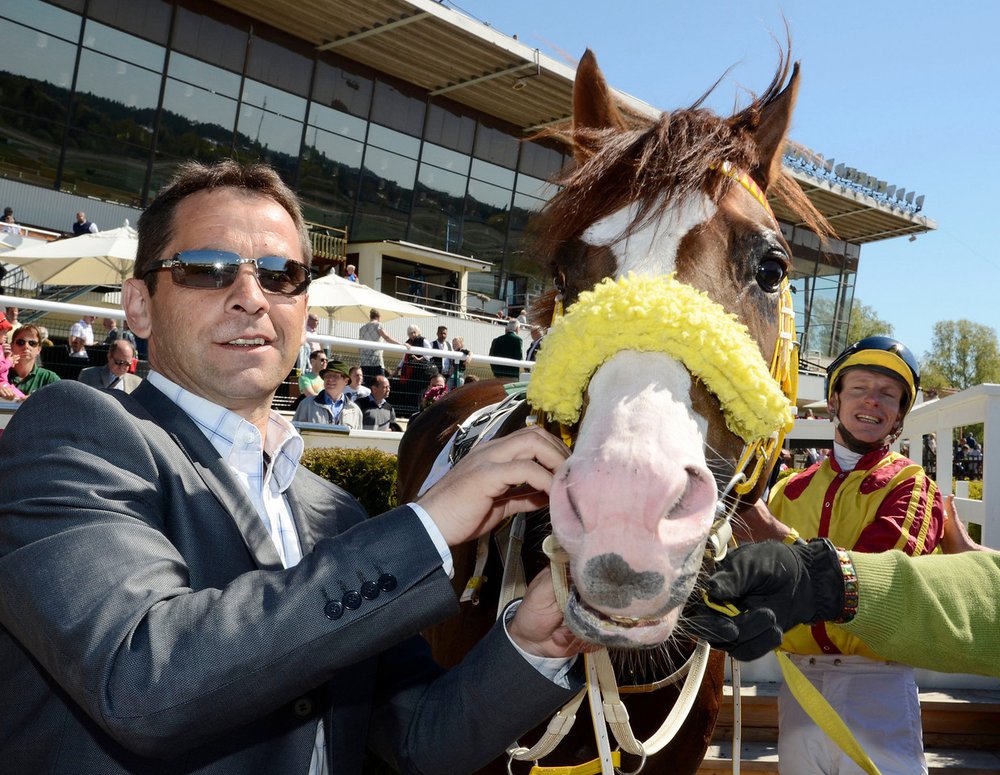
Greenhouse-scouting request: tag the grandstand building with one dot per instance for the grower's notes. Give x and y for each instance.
(403, 122)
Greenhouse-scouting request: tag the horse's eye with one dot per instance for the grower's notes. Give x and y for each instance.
(770, 272)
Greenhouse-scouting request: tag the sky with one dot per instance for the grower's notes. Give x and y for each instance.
(907, 92)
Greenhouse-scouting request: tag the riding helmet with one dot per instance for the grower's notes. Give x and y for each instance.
(882, 354)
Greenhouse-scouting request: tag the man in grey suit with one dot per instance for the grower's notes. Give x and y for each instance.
(115, 374)
(179, 595)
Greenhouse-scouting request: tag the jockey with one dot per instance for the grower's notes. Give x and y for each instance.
(870, 499)
(878, 355)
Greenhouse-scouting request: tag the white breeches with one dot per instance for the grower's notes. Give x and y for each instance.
(878, 702)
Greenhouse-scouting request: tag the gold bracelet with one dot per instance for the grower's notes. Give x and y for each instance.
(791, 537)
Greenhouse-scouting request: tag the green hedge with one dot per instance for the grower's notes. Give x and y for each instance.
(367, 474)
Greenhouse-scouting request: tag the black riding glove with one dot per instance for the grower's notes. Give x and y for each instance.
(776, 586)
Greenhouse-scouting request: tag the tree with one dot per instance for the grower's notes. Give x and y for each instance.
(866, 322)
(962, 354)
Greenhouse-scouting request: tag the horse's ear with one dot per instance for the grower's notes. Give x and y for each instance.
(593, 106)
(775, 118)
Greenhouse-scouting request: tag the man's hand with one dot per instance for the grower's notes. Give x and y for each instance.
(537, 626)
(757, 523)
(497, 479)
(776, 586)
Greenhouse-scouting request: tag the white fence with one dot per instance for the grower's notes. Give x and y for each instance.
(979, 404)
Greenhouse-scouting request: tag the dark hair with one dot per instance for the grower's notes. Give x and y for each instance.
(156, 225)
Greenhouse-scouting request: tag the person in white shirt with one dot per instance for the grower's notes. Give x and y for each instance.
(84, 328)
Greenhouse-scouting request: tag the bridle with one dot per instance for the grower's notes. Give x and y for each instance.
(757, 402)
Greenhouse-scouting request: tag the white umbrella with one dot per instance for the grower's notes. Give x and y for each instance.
(341, 299)
(105, 258)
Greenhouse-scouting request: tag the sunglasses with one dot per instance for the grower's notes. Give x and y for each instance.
(213, 269)
(117, 362)
(29, 342)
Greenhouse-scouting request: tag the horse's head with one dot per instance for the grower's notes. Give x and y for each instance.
(675, 213)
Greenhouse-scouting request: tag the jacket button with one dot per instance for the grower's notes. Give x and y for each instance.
(302, 707)
(370, 590)
(351, 600)
(387, 582)
(333, 610)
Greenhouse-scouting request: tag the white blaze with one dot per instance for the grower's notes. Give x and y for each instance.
(651, 249)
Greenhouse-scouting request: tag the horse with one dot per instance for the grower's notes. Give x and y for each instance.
(671, 271)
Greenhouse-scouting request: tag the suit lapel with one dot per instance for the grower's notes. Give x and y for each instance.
(214, 472)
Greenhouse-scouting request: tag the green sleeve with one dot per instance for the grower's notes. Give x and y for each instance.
(940, 612)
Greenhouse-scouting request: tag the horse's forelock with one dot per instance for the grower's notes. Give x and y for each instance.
(656, 163)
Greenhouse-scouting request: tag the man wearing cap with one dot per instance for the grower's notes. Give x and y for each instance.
(507, 345)
(866, 498)
(331, 405)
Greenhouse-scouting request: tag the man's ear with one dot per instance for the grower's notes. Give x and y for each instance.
(135, 301)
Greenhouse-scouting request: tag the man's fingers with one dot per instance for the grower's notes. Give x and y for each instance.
(527, 443)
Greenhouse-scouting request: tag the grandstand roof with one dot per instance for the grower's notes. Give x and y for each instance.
(449, 54)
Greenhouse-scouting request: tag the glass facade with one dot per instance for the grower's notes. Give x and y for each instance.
(105, 97)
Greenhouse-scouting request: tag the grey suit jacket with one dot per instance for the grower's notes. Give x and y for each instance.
(101, 377)
(147, 626)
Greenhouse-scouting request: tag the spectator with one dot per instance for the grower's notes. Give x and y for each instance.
(310, 381)
(378, 414)
(7, 224)
(27, 374)
(372, 363)
(6, 362)
(114, 333)
(351, 274)
(309, 346)
(83, 226)
(114, 375)
(443, 365)
(44, 333)
(413, 370)
(77, 348)
(13, 313)
(84, 328)
(457, 378)
(470, 378)
(451, 294)
(437, 387)
(179, 594)
(354, 387)
(332, 405)
(418, 285)
(536, 343)
(507, 345)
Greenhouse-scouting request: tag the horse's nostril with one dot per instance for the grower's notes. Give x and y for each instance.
(699, 489)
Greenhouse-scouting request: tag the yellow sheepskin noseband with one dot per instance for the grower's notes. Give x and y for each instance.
(659, 314)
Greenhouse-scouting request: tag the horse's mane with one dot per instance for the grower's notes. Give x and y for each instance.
(652, 163)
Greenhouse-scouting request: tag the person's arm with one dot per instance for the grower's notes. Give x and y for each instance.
(955, 538)
(382, 333)
(757, 523)
(936, 612)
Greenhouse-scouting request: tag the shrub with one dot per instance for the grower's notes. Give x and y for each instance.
(367, 474)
